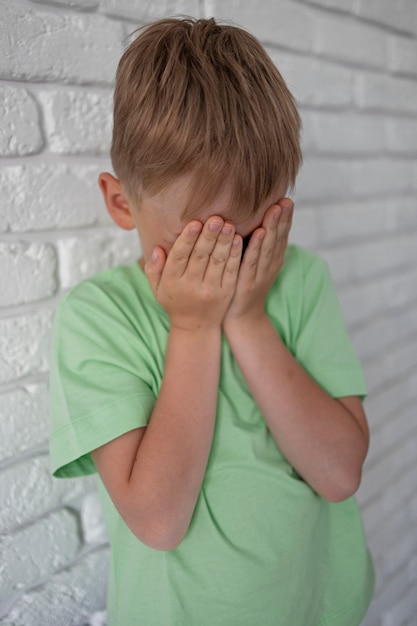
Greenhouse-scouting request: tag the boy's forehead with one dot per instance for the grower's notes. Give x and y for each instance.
(181, 194)
(173, 201)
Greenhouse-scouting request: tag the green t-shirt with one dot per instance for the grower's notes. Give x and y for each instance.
(263, 549)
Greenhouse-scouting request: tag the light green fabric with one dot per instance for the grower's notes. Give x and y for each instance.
(263, 549)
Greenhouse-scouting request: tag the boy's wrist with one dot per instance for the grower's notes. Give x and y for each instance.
(245, 323)
(197, 329)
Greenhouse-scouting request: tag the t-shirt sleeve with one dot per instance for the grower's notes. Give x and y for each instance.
(322, 344)
(100, 387)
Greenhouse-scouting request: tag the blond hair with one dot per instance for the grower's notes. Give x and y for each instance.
(194, 96)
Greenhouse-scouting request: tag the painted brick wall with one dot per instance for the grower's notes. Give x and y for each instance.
(352, 65)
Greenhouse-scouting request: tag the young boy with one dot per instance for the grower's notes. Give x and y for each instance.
(215, 392)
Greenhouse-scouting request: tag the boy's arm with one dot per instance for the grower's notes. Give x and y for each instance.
(154, 474)
(324, 439)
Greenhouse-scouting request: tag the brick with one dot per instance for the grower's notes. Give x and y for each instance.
(99, 618)
(323, 179)
(370, 510)
(351, 134)
(384, 472)
(371, 259)
(385, 93)
(376, 369)
(72, 4)
(23, 420)
(280, 23)
(402, 56)
(380, 514)
(379, 257)
(386, 534)
(44, 197)
(351, 221)
(400, 15)
(406, 216)
(341, 264)
(345, 6)
(382, 176)
(383, 537)
(412, 568)
(68, 599)
(413, 506)
(78, 122)
(400, 360)
(388, 294)
(396, 556)
(28, 272)
(36, 551)
(396, 427)
(24, 345)
(305, 229)
(355, 220)
(307, 135)
(104, 218)
(85, 256)
(20, 131)
(28, 491)
(401, 135)
(388, 592)
(380, 334)
(148, 10)
(314, 82)
(403, 612)
(92, 521)
(350, 41)
(360, 302)
(77, 48)
(400, 292)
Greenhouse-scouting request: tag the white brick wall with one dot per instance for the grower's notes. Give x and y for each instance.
(352, 65)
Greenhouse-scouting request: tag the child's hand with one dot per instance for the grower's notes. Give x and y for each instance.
(261, 263)
(195, 283)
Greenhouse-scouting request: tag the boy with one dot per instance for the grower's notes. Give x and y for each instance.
(215, 393)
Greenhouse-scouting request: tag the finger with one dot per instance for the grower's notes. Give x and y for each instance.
(286, 204)
(285, 220)
(252, 254)
(279, 215)
(277, 224)
(262, 248)
(180, 252)
(204, 246)
(231, 270)
(220, 254)
(154, 267)
(270, 223)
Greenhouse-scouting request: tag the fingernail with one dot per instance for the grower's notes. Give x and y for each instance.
(194, 228)
(227, 229)
(214, 226)
(154, 256)
(287, 207)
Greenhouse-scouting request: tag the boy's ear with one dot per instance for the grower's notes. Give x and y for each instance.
(116, 201)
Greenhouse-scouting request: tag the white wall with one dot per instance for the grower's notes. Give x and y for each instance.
(352, 64)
